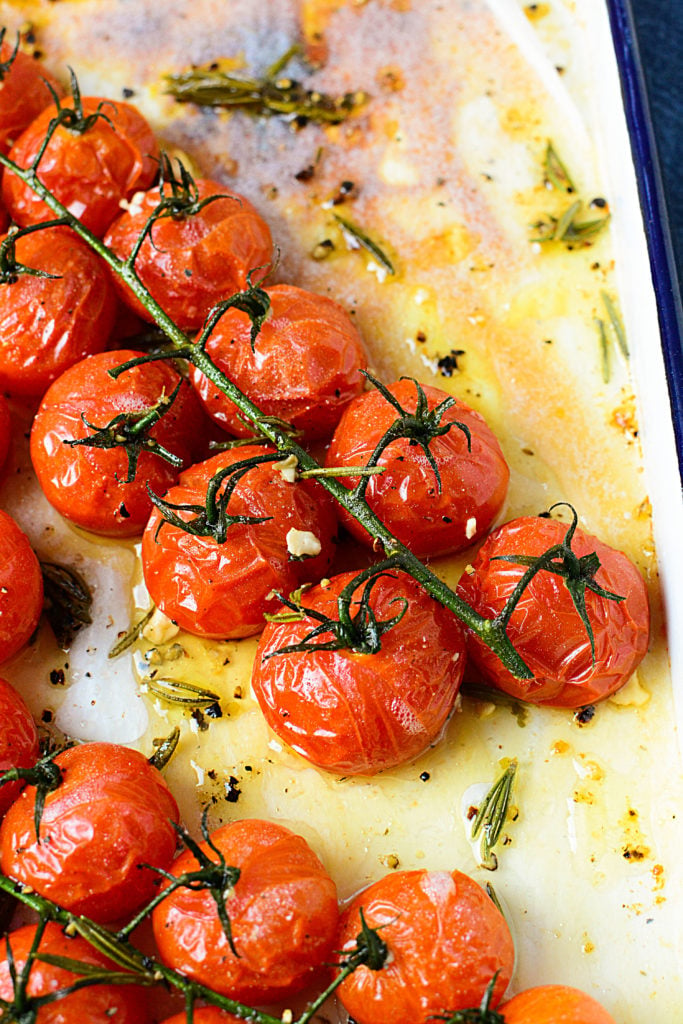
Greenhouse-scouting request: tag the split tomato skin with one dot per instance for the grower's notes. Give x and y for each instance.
(24, 94)
(222, 590)
(49, 323)
(445, 939)
(103, 830)
(406, 496)
(96, 1004)
(545, 627)
(358, 714)
(19, 743)
(283, 915)
(90, 172)
(192, 262)
(554, 1004)
(88, 485)
(21, 588)
(304, 369)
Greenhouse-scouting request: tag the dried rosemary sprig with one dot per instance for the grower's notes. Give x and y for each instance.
(360, 238)
(491, 816)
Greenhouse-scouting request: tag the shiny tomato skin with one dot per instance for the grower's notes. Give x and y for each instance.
(23, 95)
(445, 937)
(19, 744)
(110, 816)
(358, 714)
(283, 915)
(222, 591)
(96, 1004)
(545, 627)
(5, 431)
(88, 485)
(191, 263)
(205, 1015)
(48, 324)
(406, 496)
(21, 588)
(304, 368)
(90, 172)
(554, 1004)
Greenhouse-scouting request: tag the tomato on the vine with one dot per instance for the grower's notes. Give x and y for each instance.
(89, 169)
(89, 484)
(21, 588)
(24, 92)
(429, 516)
(96, 1004)
(19, 744)
(354, 712)
(49, 323)
(545, 626)
(554, 1004)
(444, 940)
(304, 367)
(191, 261)
(103, 830)
(282, 910)
(221, 589)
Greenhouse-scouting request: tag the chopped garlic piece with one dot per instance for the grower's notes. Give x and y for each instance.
(288, 468)
(471, 528)
(303, 544)
(160, 629)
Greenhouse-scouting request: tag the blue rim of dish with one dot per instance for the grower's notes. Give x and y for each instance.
(662, 262)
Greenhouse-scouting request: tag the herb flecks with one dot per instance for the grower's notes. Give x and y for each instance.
(491, 816)
(569, 228)
(616, 323)
(358, 237)
(555, 173)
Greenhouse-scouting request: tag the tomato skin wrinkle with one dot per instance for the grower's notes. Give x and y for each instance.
(445, 939)
(554, 1004)
(24, 94)
(406, 496)
(357, 714)
(19, 743)
(545, 627)
(283, 915)
(191, 263)
(21, 588)
(222, 590)
(111, 815)
(90, 172)
(304, 368)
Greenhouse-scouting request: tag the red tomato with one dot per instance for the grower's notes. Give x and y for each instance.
(406, 496)
(205, 1015)
(222, 590)
(23, 93)
(5, 430)
(554, 1004)
(445, 940)
(283, 916)
(21, 588)
(19, 746)
(193, 262)
(49, 323)
(353, 713)
(545, 627)
(96, 1004)
(88, 485)
(90, 172)
(304, 368)
(110, 817)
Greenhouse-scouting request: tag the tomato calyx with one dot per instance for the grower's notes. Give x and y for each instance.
(361, 632)
(46, 776)
(73, 118)
(370, 951)
(483, 1014)
(10, 268)
(577, 571)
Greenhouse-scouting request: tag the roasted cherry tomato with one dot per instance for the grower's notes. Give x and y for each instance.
(191, 262)
(19, 746)
(222, 589)
(103, 830)
(5, 431)
(24, 92)
(282, 909)
(205, 1015)
(357, 713)
(89, 485)
(429, 518)
(21, 588)
(554, 1004)
(445, 939)
(96, 1004)
(49, 323)
(304, 367)
(89, 170)
(545, 626)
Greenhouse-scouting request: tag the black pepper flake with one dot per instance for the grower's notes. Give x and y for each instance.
(421, 337)
(425, 777)
(214, 710)
(200, 720)
(123, 511)
(232, 790)
(584, 715)
(346, 189)
(57, 677)
(46, 716)
(306, 173)
(127, 93)
(449, 364)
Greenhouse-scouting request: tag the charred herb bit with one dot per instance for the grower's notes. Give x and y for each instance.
(568, 229)
(67, 602)
(177, 691)
(129, 638)
(483, 1014)
(271, 95)
(555, 174)
(490, 818)
(359, 238)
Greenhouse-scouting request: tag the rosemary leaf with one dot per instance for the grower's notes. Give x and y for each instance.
(616, 322)
(177, 691)
(67, 601)
(492, 814)
(604, 350)
(366, 242)
(129, 638)
(555, 171)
